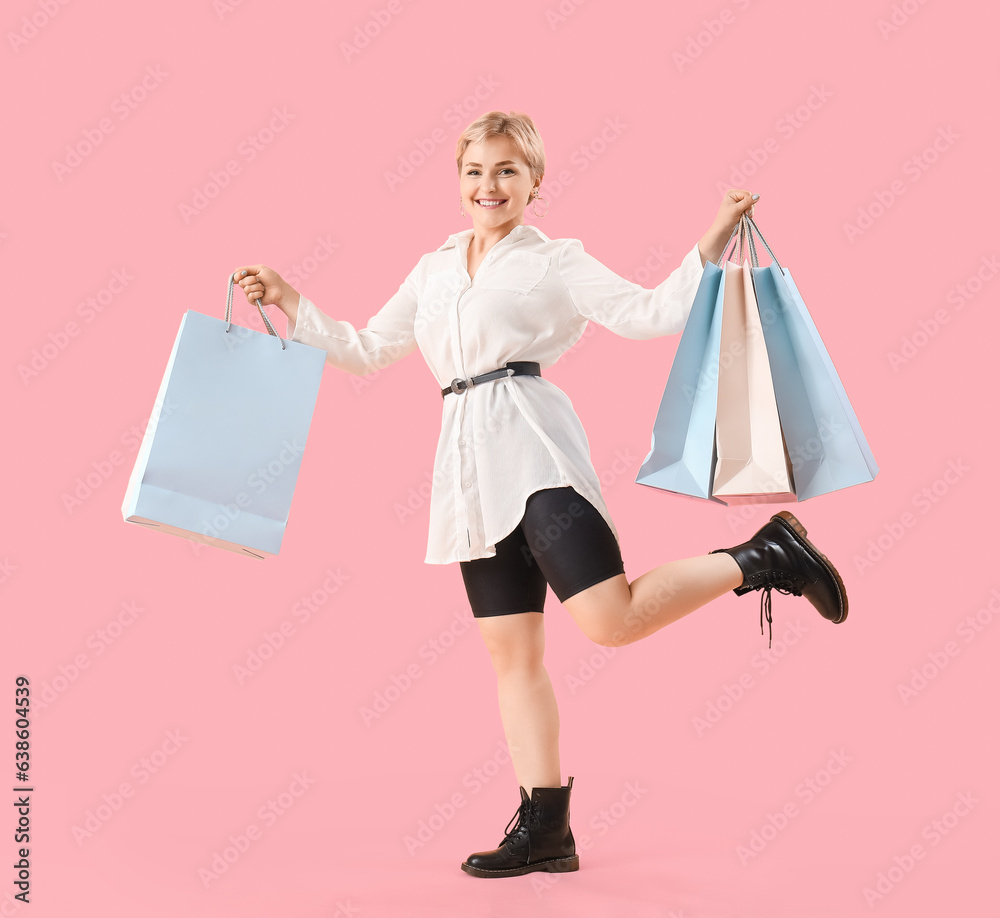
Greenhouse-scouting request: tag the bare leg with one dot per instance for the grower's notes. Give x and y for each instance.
(528, 708)
(615, 612)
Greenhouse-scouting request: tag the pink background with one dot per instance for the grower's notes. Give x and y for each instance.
(830, 116)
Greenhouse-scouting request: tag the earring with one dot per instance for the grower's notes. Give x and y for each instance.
(534, 209)
(461, 207)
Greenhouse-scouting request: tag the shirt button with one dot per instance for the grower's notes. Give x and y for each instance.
(461, 442)
(467, 484)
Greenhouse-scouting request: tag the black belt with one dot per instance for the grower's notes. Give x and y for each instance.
(511, 368)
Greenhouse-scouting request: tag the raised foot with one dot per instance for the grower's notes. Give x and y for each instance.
(790, 521)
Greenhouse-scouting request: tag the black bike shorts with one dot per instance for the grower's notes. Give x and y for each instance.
(562, 540)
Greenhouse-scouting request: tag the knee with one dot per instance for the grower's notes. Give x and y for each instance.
(607, 625)
(513, 661)
(515, 654)
(607, 638)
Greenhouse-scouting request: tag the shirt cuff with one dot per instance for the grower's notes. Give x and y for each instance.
(308, 327)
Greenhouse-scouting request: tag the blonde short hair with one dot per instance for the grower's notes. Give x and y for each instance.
(515, 125)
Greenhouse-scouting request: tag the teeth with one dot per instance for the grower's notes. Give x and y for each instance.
(489, 203)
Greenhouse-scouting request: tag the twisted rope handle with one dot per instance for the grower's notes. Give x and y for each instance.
(260, 309)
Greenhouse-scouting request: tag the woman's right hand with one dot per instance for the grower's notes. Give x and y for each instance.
(260, 282)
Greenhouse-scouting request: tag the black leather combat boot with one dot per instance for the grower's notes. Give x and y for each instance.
(780, 557)
(540, 840)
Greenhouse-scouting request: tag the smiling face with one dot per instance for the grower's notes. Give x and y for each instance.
(496, 183)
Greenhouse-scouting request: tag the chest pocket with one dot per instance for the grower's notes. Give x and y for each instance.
(439, 293)
(517, 272)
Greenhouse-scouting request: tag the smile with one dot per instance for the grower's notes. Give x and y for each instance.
(491, 202)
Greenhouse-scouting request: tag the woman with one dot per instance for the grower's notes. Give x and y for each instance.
(515, 499)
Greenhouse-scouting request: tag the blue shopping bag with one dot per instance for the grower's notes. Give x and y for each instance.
(826, 445)
(221, 453)
(682, 454)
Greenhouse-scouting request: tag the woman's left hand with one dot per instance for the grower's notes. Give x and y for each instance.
(735, 203)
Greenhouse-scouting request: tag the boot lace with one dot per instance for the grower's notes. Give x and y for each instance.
(524, 816)
(773, 580)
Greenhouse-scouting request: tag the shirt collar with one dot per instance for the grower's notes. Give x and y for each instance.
(519, 231)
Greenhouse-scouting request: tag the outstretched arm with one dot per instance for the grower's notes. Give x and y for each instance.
(633, 311)
(388, 336)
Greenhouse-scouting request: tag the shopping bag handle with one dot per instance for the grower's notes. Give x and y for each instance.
(260, 309)
(732, 239)
(740, 231)
(753, 250)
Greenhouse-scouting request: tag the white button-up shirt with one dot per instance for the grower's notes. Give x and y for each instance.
(501, 440)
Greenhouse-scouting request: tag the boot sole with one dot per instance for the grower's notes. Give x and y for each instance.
(557, 865)
(789, 521)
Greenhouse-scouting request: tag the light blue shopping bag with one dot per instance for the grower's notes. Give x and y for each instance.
(221, 453)
(682, 454)
(826, 445)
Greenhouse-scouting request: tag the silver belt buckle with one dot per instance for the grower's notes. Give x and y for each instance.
(458, 386)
